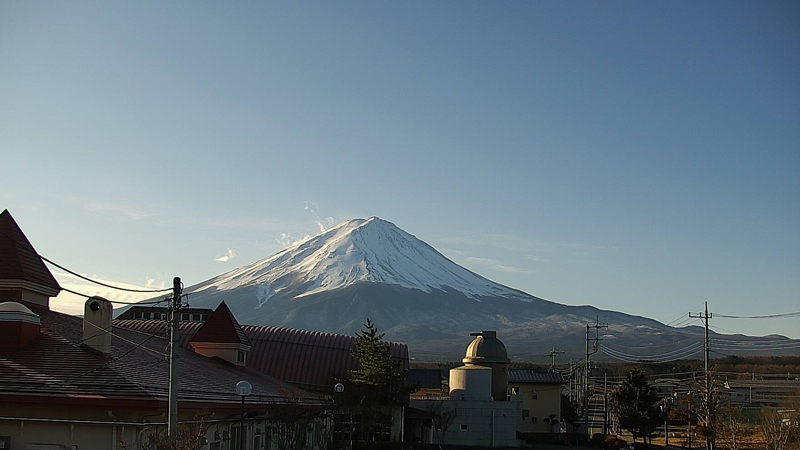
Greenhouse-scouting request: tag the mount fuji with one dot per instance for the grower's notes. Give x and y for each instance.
(371, 268)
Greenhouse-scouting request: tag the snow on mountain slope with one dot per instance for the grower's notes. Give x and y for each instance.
(359, 250)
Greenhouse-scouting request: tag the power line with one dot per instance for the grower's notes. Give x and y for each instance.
(668, 354)
(89, 279)
(100, 282)
(151, 302)
(767, 316)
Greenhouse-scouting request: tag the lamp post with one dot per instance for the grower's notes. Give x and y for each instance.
(243, 389)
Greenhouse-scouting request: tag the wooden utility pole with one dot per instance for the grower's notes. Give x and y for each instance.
(597, 326)
(552, 355)
(709, 393)
(174, 317)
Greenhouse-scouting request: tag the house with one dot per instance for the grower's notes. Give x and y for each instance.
(161, 313)
(482, 411)
(541, 399)
(309, 360)
(427, 383)
(761, 392)
(76, 383)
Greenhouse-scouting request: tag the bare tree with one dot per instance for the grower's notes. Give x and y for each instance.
(732, 427)
(442, 418)
(776, 432)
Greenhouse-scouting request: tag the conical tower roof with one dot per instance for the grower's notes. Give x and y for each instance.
(20, 264)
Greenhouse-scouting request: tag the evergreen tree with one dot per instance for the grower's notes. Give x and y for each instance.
(377, 372)
(635, 404)
(374, 388)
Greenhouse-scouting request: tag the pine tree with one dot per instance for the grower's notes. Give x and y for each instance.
(377, 371)
(635, 404)
(375, 387)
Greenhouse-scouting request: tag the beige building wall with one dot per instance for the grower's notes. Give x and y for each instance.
(538, 402)
(64, 429)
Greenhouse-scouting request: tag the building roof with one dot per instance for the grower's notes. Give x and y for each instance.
(528, 376)
(486, 349)
(56, 366)
(306, 359)
(425, 378)
(221, 327)
(19, 261)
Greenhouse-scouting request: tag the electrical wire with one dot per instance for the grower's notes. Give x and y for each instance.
(150, 302)
(660, 358)
(656, 355)
(100, 282)
(645, 361)
(107, 363)
(767, 316)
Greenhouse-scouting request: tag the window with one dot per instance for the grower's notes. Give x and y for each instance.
(136, 315)
(197, 318)
(535, 395)
(525, 413)
(464, 427)
(5, 442)
(185, 317)
(240, 357)
(533, 419)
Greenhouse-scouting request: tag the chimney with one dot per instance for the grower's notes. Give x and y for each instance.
(97, 315)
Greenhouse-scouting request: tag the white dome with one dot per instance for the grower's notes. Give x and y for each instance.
(14, 307)
(17, 312)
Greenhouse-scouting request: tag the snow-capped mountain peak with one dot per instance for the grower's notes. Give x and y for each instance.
(357, 251)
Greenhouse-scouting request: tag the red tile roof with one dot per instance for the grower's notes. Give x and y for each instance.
(306, 359)
(19, 261)
(221, 327)
(55, 365)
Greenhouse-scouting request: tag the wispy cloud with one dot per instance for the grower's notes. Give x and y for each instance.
(117, 209)
(313, 208)
(69, 303)
(227, 256)
(527, 247)
(493, 264)
(287, 240)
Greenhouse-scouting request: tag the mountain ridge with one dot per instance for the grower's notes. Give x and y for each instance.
(363, 268)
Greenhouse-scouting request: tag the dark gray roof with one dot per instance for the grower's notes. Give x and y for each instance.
(532, 377)
(425, 378)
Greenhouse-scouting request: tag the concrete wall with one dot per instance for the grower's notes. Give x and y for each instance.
(109, 436)
(481, 423)
(539, 400)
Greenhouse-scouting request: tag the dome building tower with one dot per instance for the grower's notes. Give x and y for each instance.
(488, 351)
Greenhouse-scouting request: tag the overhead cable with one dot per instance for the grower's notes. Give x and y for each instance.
(150, 302)
(100, 282)
(767, 316)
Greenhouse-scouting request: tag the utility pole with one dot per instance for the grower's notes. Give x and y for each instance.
(709, 394)
(552, 355)
(571, 375)
(597, 326)
(605, 402)
(174, 317)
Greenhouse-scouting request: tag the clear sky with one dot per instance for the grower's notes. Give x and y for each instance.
(636, 156)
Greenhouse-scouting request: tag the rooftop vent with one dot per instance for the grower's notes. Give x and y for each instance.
(19, 326)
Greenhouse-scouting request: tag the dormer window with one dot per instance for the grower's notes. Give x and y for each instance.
(240, 357)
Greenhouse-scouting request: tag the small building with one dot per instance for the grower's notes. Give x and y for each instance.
(481, 409)
(761, 392)
(144, 312)
(427, 383)
(541, 399)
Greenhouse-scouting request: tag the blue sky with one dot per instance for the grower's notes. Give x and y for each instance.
(636, 156)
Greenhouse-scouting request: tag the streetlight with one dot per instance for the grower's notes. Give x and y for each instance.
(243, 389)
